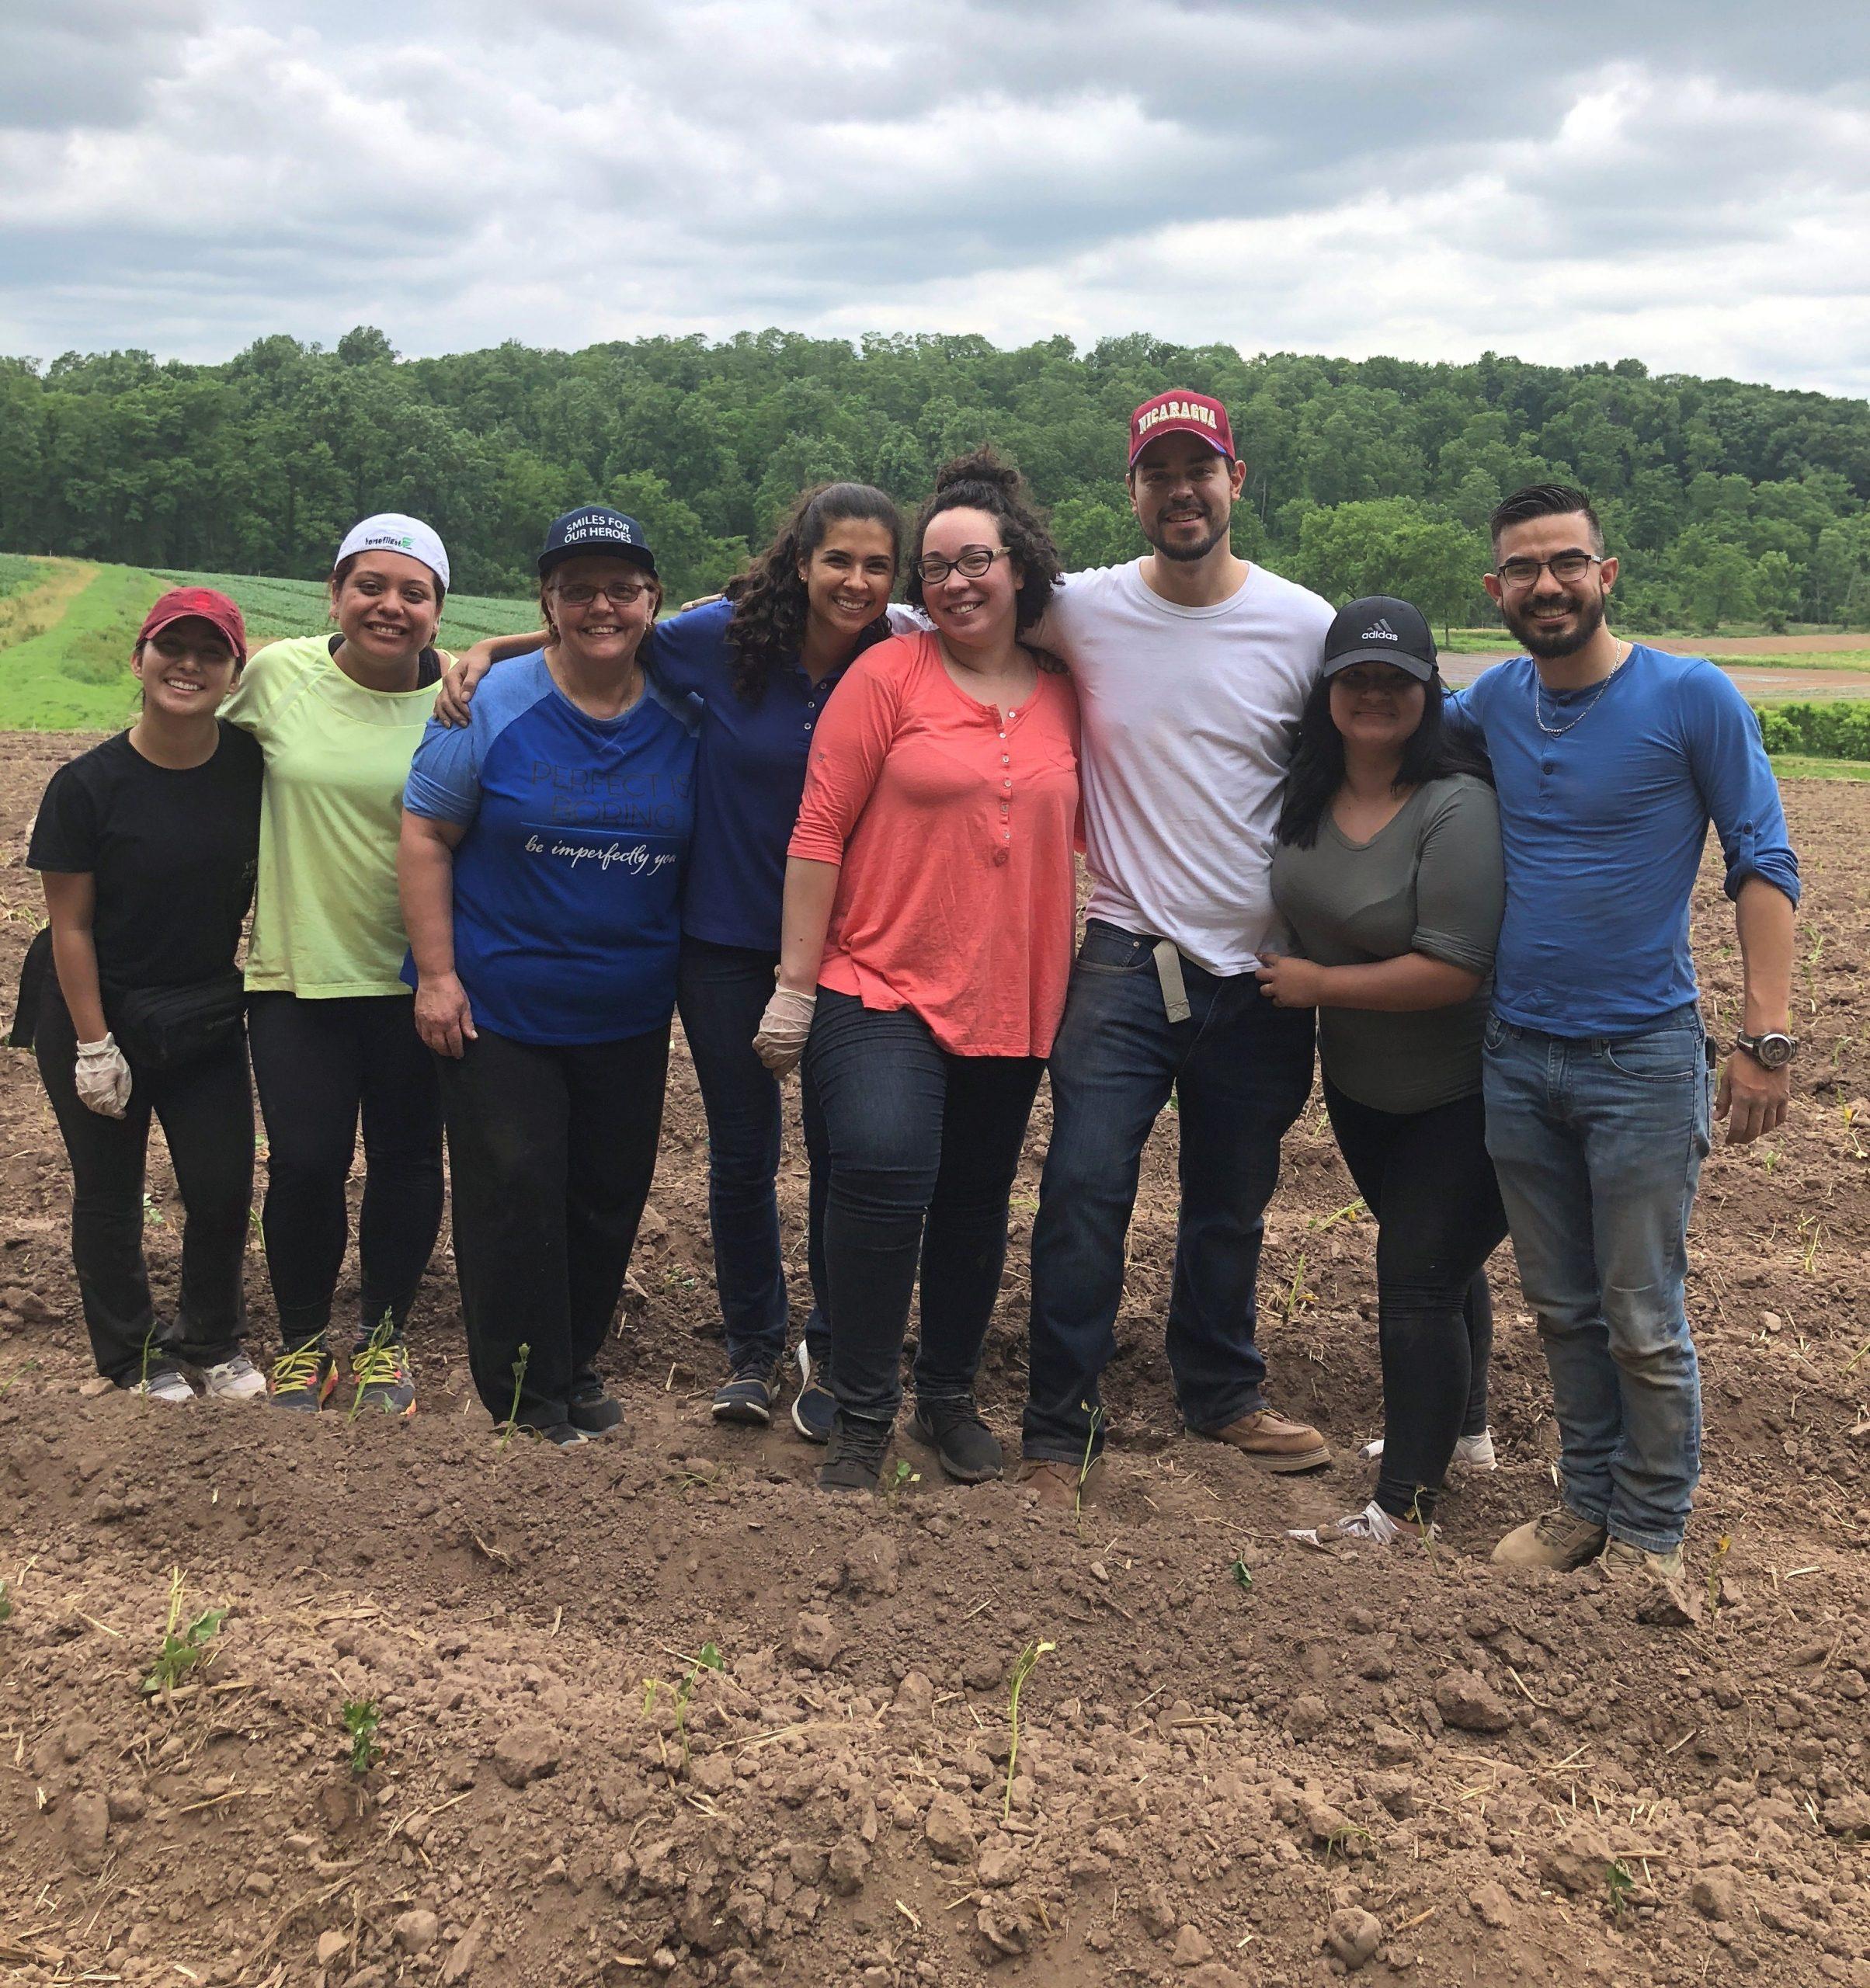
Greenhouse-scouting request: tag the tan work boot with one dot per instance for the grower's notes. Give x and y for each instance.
(1667, 1596)
(1558, 1539)
(1062, 1487)
(1274, 1443)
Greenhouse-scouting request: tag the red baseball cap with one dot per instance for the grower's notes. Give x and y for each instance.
(1180, 412)
(200, 603)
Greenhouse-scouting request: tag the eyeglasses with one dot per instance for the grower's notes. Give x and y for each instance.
(974, 560)
(179, 648)
(1381, 678)
(619, 593)
(1564, 567)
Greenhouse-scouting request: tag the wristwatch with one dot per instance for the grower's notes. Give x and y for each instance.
(1772, 1048)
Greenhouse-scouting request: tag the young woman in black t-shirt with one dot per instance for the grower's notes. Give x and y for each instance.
(146, 846)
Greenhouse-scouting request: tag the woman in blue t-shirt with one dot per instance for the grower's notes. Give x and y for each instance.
(763, 660)
(542, 849)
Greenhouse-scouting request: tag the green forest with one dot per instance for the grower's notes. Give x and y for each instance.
(1728, 503)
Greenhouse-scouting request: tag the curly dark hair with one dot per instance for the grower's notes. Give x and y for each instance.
(981, 482)
(768, 628)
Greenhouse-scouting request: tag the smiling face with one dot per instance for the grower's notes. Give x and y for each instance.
(1183, 493)
(603, 628)
(1376, 706)
(848, 577)
(387, 605)
(185, 669)
(974, 611)
(1552, 618)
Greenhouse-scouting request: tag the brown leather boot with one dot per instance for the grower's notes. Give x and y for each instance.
(1274, 1443)
(1062, 1487)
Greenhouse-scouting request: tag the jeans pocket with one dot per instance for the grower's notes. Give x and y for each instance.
(1108, 950)
(1664, 1055)
(1494, 1033)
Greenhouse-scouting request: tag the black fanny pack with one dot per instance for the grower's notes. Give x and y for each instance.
(164, 1027)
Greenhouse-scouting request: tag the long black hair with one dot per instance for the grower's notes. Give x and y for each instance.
(768, 628)
(1317, 770)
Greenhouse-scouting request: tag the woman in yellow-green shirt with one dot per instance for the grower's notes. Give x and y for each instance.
(329, 1019)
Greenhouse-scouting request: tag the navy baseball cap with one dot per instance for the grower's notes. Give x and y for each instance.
(1380, 628)
(595, 528)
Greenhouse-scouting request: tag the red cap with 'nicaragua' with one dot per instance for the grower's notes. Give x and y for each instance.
(1180, 412)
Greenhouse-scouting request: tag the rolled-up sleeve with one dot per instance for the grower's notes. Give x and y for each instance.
(1460, 879)
(1736, 783)
(444, 782)
(847, 754)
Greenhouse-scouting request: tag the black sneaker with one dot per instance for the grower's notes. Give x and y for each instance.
(746, 1395)
(854, 1462)
(591, 1410)
(561, 1435)
(968, 1450)
(815, 1405)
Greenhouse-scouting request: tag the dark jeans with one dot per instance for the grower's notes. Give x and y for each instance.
(1240, 1070)
(318, 1063)
(206, 1110)
(923, 1147)
(722, 992)
(1427, 1178)
(551, 1149)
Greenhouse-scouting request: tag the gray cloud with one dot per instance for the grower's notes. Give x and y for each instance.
(1684, 182)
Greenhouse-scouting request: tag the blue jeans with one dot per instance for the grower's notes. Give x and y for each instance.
(722, 991)
(923, 1148)
(1240, 1070)
(1598, 1144)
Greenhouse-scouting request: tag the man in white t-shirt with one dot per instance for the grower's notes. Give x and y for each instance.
(1192, 667)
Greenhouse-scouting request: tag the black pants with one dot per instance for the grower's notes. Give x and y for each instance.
(319, 1065)
(206, 1110)
(551, 1150)
(923, 1148)
(1427, 1178)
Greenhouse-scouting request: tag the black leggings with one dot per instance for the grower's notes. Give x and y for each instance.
(205, 1110)
(553, 1150)
(317, 1064)
(1427, 1178)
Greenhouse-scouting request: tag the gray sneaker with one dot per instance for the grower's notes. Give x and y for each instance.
(1558, 1539)
(746, 1395)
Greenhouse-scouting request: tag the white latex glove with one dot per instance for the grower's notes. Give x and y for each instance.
(102, 1078)
(783, 1029)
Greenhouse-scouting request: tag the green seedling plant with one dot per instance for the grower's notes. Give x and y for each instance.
(1241, 1574)
(1090, 1457)
(898, 1478)
(1850, 1114)
(1028, 1662)
(1619, 1883)
(361, 1720)
(1714, 1575)
(707, 1657)
(182, 1649)
(6, 1602)
(513, 1412)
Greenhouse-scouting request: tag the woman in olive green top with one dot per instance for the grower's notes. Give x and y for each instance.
(1388, 870)
(329, 1018)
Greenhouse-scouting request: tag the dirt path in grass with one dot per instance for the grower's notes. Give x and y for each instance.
(1237, 1750)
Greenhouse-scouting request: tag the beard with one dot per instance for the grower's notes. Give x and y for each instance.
(1547, 643)
(1185, 554)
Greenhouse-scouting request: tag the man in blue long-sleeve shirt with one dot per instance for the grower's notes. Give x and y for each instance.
(1611, 760)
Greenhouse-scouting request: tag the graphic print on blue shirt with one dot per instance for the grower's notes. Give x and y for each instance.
(1602, 826)
(568, 883)
(750, 775)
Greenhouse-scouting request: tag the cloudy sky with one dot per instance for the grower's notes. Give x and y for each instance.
(1686, 183)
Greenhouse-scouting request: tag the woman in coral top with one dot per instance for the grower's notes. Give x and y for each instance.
(925, 946)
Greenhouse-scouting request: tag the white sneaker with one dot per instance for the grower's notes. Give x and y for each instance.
(237, 1379)
(1372, 1523)
(1470, 1452)
(168, 1385)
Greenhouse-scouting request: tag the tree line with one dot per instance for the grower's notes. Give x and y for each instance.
(1727, 502)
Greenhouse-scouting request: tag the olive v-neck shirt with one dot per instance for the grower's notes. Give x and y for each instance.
(1429, 881)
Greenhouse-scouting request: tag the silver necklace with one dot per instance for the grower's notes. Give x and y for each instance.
(1560, 731)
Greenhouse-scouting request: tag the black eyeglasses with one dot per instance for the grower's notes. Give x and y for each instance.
(974, 560)
(619, 593)
(1564, 567)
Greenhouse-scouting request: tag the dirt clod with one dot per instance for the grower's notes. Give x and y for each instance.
(816, 1641)
(525, 1754)
(1353, 1935)
(1465, 1699)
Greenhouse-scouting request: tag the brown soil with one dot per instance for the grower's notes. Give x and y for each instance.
(1232, 1747)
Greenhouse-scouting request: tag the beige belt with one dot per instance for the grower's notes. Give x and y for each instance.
(1169, 972)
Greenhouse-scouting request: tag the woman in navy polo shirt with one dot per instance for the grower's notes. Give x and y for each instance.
(763, 660)
(543, 850)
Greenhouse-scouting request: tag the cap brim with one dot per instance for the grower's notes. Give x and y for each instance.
(153, 627)
(1163, 428)
(616, 549)
(1419, 667)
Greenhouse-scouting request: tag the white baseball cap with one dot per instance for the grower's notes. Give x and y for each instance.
(389, 531)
